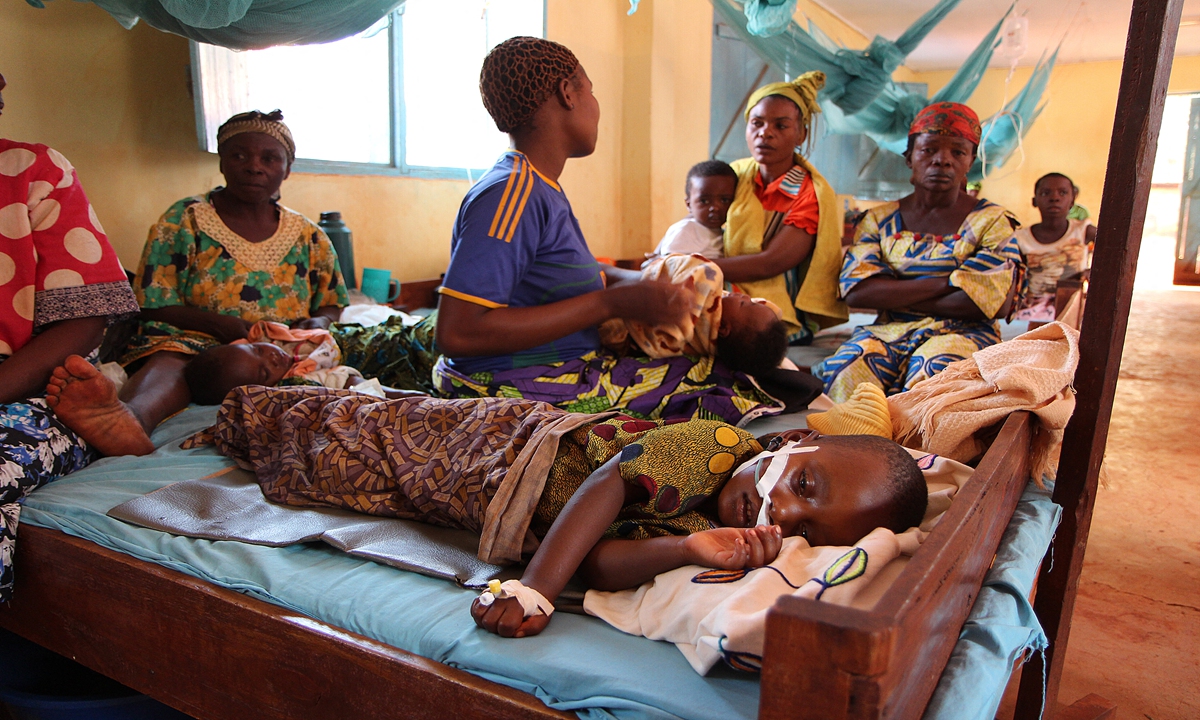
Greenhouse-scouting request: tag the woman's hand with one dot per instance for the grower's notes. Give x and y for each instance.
(505, 617)
(225, 328)
(228, 328)
(730, 548)
(318, 322)
(653, 303)
(466, 329)
(882, 292)
(790, 247)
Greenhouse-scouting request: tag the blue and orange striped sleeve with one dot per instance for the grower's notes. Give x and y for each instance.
(496, 238)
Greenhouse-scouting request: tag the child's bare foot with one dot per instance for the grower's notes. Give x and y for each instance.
(86, 402)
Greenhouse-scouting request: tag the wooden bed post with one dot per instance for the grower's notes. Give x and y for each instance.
(1153, 27)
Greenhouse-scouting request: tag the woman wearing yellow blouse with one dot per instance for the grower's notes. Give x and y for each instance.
(213, 266)
(783, 239)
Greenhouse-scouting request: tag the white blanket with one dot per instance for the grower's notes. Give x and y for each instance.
(714, 615)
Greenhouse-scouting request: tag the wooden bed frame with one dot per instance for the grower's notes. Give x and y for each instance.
(216, 654)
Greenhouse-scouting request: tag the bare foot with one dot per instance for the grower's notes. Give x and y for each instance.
(86, 402)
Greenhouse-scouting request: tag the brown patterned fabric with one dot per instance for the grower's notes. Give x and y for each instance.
(519, 74)
(433, 460)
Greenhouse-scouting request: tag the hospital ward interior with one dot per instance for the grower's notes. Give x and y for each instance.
(694, 359)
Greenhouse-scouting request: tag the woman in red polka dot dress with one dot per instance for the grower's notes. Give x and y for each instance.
(60, 282)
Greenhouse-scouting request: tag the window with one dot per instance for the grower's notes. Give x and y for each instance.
(400, 98)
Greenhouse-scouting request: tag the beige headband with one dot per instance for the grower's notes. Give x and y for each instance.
(274, 128)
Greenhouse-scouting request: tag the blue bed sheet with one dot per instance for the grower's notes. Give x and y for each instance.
(597, 671)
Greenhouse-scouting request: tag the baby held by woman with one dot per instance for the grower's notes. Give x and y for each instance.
(617, 500)
(746, 333)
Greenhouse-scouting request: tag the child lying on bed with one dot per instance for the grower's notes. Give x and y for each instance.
(270, 354)
(746, 333)
(615, 499)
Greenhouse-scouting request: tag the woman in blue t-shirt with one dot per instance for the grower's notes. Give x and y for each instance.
(523, 294)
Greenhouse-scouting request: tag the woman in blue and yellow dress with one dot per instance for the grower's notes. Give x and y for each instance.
(939, 265)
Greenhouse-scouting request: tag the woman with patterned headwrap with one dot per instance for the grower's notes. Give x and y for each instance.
(938, 265)
(523, 295)
(213, 265)
(783, 239)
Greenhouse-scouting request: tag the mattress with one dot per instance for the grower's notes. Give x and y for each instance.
(578, 664)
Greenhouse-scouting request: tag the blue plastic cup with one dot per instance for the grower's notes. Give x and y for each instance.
(379, 285)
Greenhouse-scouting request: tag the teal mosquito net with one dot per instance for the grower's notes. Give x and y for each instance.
(250, 24)
(860, 96)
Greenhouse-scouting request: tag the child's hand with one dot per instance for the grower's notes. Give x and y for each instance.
(730, 548)
(505, 617)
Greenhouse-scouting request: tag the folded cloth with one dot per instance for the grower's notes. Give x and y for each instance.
(1031, 372)
(865, 412)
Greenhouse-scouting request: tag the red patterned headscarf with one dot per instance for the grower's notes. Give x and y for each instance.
(948, 118)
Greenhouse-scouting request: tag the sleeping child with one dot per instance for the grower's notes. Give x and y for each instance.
(1054, 248)
(273, 353)
(708, 192)
(747, 334)
(616, 499)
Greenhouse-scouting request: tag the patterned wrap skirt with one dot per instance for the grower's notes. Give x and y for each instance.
(35, 448)
(420, 458)
(643, 387)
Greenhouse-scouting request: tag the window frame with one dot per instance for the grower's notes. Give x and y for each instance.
(398, 167)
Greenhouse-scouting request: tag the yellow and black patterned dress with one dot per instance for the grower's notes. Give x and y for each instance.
(680, 464)
(193, 259)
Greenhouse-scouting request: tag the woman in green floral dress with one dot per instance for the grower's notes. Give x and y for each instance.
(217, 263)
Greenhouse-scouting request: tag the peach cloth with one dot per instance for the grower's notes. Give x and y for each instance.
(697, 334)
(1031, 372)
(312, 350)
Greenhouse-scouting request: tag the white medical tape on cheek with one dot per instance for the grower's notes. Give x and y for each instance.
(531, 601)
(751, 462)
(771, 477)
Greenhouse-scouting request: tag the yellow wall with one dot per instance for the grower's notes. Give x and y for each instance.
(1072, 134)
(117, 103)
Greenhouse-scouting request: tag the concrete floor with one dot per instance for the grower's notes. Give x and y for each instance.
(1135, 638)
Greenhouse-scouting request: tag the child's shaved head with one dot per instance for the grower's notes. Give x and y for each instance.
(910, 495)
(213, 373)
(836, 493)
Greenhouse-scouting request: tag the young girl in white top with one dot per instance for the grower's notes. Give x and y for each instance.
(1054, 248)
